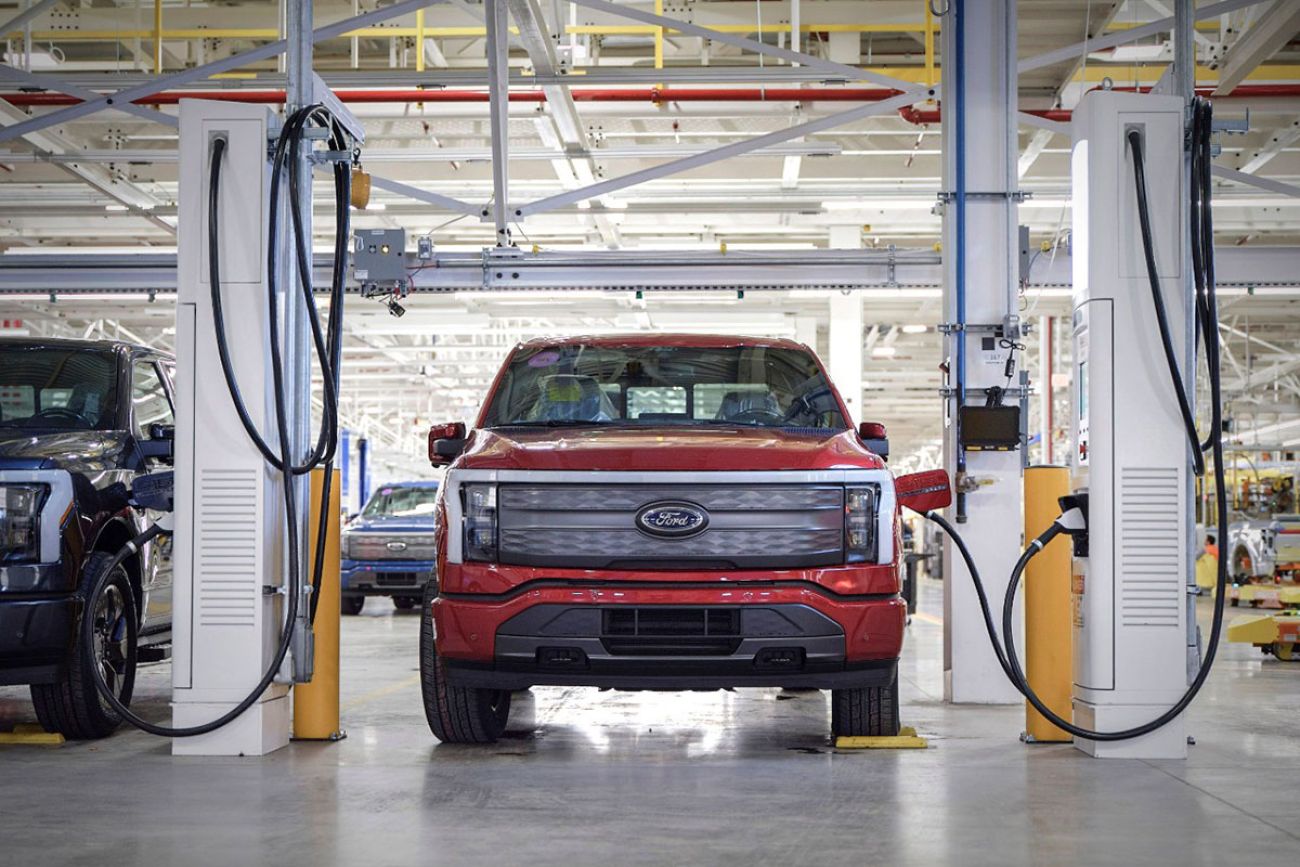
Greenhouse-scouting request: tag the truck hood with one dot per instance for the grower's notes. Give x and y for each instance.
(84, 451)
(665, 449)
(392, 524)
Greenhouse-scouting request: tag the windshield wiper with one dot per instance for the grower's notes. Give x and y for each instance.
(559, 422)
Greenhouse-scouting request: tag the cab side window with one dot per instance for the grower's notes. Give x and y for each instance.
(149, 401)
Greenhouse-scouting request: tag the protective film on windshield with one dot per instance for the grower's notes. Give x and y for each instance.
(402, 502)
(753, 386)
(56, 388)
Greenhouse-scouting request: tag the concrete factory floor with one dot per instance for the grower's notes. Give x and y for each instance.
(660, 778)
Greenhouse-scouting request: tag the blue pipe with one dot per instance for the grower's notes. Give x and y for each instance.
(959, 120)
(345, 469)
(363, 471)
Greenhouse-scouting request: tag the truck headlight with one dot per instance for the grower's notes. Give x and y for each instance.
(860, 523)
(345, 546)
(20, 522)
(480, 522)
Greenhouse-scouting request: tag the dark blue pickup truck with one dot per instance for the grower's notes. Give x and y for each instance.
(388, 549)
(79, 422)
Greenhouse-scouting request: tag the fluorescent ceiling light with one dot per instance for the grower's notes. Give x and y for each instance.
(884, 352)
(116, 208)
(376, 206)
(915, 329)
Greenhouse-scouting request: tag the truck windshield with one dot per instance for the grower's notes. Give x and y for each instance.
(57, 388)
(402, 502)
(579, 384)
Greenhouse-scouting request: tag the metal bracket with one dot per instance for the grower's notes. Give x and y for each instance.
(945, 196)
(971, 328)
(1017, 392)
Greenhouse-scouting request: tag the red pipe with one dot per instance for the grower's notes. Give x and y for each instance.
(654, 94)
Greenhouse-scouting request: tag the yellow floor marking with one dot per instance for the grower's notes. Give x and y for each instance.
(32, 735)
(899, 742)
(928, 618)
(367, 697)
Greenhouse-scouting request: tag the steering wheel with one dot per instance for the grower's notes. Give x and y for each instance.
(61, 412)
(756, 415)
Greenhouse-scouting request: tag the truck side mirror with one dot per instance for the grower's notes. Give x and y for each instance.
(445, 442)
(161, 443)
(923, 492)
(875, 438)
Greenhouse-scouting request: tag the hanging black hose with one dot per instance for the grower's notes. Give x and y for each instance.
(328, 346)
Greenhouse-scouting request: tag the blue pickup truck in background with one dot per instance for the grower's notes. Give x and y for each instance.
(388, 549)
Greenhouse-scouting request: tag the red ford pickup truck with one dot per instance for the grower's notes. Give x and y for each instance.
(674, 512)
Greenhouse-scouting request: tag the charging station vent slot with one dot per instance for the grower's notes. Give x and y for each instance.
(1151, 582)
(226, 548)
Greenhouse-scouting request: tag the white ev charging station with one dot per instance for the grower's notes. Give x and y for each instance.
(229, 562)
(1132, 634)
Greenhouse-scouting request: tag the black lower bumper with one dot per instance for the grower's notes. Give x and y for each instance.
(35, 636)
(671, 648)
(671, 675)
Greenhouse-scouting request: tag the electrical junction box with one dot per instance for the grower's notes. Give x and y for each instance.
(1134, 638)
(379, 257)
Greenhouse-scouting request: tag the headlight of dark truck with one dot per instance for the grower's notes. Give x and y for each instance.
(860, 523)
(20, 522)
(480, 522)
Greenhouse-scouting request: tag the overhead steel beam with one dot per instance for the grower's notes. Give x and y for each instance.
(1124, 37)
(31, 13)
(1271, 30)
(498, 61)
(1280, 141)
(136, 201)
(447, 203)
(715, 155)
(576, 167)
(1255, 181)
(408, 155)
(207, 70)
(839, 70)
(45, 82)
(1055, 126)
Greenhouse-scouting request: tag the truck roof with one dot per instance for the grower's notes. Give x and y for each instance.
(704, 341)
(77, 343)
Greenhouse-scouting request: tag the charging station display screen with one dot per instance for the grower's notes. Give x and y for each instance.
(990, 427)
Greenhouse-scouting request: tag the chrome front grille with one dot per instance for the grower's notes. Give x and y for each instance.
(386, 546)
(594, 526)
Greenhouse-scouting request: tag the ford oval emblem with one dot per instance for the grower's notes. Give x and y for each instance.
(397, 546)
(672, 520)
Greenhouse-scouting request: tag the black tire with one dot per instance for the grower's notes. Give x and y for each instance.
(352, 604)
(456, 714)
(405, 603)
(72, 706)
(870, 711)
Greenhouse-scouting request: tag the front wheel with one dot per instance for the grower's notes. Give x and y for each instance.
(353, 604)
(456, 714)
(72, 705)
(865, 711)
(405, 603)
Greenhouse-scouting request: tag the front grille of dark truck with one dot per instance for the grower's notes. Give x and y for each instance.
(594, 526)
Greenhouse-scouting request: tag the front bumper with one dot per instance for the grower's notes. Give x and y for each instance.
(35, 637)
(385, 577)
(762, 636)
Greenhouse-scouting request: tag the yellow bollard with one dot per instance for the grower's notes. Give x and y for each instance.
(1048, 627)
(316, 704)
